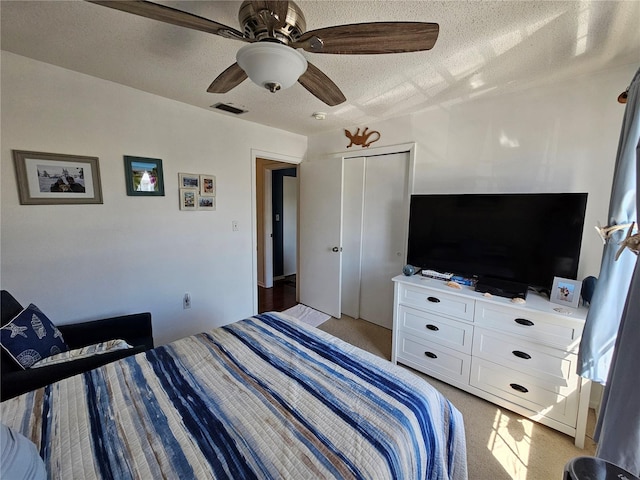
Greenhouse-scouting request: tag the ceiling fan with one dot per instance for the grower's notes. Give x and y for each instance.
(274, 30)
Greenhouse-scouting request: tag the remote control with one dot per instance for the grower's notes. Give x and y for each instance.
(438, 275)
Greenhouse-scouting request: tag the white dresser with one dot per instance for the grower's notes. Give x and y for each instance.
(519, 356)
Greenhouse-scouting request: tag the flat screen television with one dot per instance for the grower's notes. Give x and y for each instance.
(524, 238)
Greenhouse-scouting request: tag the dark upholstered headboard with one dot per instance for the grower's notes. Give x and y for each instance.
(10, 307)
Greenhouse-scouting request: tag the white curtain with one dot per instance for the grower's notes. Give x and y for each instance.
(607, 303)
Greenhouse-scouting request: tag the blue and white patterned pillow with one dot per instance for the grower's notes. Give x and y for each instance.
(30, 336)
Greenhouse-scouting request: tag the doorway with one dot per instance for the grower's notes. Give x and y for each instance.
(276, 234)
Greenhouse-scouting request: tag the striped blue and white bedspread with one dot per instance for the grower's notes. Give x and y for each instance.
(265, 397)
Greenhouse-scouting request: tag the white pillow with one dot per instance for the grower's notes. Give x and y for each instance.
(19, 458)
(88, 351)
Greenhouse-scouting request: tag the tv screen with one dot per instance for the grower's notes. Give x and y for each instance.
(525, 238)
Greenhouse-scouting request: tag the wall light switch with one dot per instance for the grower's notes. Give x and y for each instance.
(234, 225)
(186, 301)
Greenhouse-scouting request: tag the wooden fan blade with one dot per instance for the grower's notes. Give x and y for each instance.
(370, 38)
(170, 15)
(321, 86)
(231, 77)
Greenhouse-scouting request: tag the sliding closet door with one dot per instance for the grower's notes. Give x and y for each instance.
(384, 222)
(352, 210)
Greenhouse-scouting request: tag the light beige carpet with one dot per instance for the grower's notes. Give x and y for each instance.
(501, 445)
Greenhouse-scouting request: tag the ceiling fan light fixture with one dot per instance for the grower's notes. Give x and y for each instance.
(271, 65)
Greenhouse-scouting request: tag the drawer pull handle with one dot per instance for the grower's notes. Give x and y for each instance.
(433, 299)
(432, 327)
(520, 354)
(524, 321)
(431, 355)
(519, 388)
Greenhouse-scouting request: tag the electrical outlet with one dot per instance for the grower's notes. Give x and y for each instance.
(186, 301)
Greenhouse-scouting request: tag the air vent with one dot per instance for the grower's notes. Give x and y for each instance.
(226, 107)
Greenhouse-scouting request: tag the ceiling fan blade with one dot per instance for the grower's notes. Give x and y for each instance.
(321, 86)
(370, 38)
(170, 15)
(230, 78)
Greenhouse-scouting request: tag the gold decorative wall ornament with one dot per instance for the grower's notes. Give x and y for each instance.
(363, 139)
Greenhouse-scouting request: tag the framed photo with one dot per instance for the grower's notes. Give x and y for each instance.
(208, 185)
(565, 292)
(206, 202)
(143, 176)
(189, 180)
(188, 199)
(54, 178)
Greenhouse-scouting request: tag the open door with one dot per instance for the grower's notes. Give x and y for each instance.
(320, 235)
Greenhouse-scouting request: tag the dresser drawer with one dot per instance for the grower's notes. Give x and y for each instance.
(539, 327)
(532, 393)
(435, 328)
(437, 302)
(554, 365)
(429, 357)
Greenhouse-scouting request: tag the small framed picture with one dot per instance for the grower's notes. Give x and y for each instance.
(206, 202)
(208, 185)
(189, 180)
(188, 199)
(143, 176)
(54, 178)
(565, 292)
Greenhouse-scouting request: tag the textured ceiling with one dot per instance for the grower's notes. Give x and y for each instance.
(484, 48)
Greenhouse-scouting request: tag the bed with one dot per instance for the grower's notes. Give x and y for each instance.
(266, 397)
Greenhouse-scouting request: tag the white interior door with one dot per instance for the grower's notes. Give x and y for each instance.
(289, 225)
(321, 235)
(268, 229)
(384, 223)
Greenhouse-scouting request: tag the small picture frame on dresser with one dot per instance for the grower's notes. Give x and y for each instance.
(565, 292)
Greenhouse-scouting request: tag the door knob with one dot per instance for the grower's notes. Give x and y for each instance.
(336, 249)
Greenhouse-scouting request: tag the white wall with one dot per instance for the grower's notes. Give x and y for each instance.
(82, 262)
(558, 138)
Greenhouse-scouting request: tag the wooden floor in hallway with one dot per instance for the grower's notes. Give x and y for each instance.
(279, 297)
